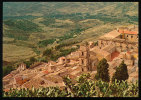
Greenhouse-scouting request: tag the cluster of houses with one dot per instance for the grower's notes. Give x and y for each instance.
(115, 46)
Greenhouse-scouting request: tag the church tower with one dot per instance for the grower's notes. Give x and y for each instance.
(84, 57)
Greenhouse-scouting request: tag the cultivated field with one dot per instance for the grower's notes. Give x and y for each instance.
(13, 53)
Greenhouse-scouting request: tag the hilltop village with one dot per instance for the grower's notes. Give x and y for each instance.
(115, 46)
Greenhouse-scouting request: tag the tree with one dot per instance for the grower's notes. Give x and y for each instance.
(47, 52)
(102, 71)
(121, 72)
(28, 63)
(32, 59)
(96, 43)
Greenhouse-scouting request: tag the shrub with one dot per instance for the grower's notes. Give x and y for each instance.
(66, 44)
(28, 63)
(7, 69)
(32, 59)
(96, 43)
(47, 52)
(45, 42)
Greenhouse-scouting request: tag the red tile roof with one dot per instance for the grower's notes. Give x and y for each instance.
(131, 32)
(46, 72)
(128, 52)
(62, 58)
(128, 32)
(18, 78)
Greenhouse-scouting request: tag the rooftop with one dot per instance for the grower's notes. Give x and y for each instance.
(111, 35)
(52, 62)
(108, 47)
(129, 32)
(100, 51)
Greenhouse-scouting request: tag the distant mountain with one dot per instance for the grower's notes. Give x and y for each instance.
(45, 8)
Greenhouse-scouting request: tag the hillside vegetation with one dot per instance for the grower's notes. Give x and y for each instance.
(33, 27)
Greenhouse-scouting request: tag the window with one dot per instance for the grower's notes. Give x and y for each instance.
(127, 35)
(63, 59)
(120, 36)
(82, 53)
(82, 62)
(131, 36)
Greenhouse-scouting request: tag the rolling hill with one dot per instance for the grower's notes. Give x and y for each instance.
(45, 8)
(37, 26)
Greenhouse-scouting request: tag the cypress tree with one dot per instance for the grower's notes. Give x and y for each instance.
(121, 73)
(102, 71)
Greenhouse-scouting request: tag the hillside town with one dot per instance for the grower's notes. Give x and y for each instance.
(115, 46)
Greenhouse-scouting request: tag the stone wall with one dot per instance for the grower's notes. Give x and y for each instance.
(63, 60)
(91, 44)
(131, 37)
(120, 46)
(83, 54)
(108, 57)
(119, 49)
(83, 62)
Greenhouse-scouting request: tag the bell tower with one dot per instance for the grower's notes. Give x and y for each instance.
(84, 57)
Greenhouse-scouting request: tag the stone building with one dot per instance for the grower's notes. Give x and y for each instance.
(63, 60)
(129, 34)
(21, 67)
(84, 58)
(120, 40)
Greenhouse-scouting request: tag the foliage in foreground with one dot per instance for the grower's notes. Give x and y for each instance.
(84, 87)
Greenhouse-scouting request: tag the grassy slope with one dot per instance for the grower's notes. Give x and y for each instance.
(14, 53)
